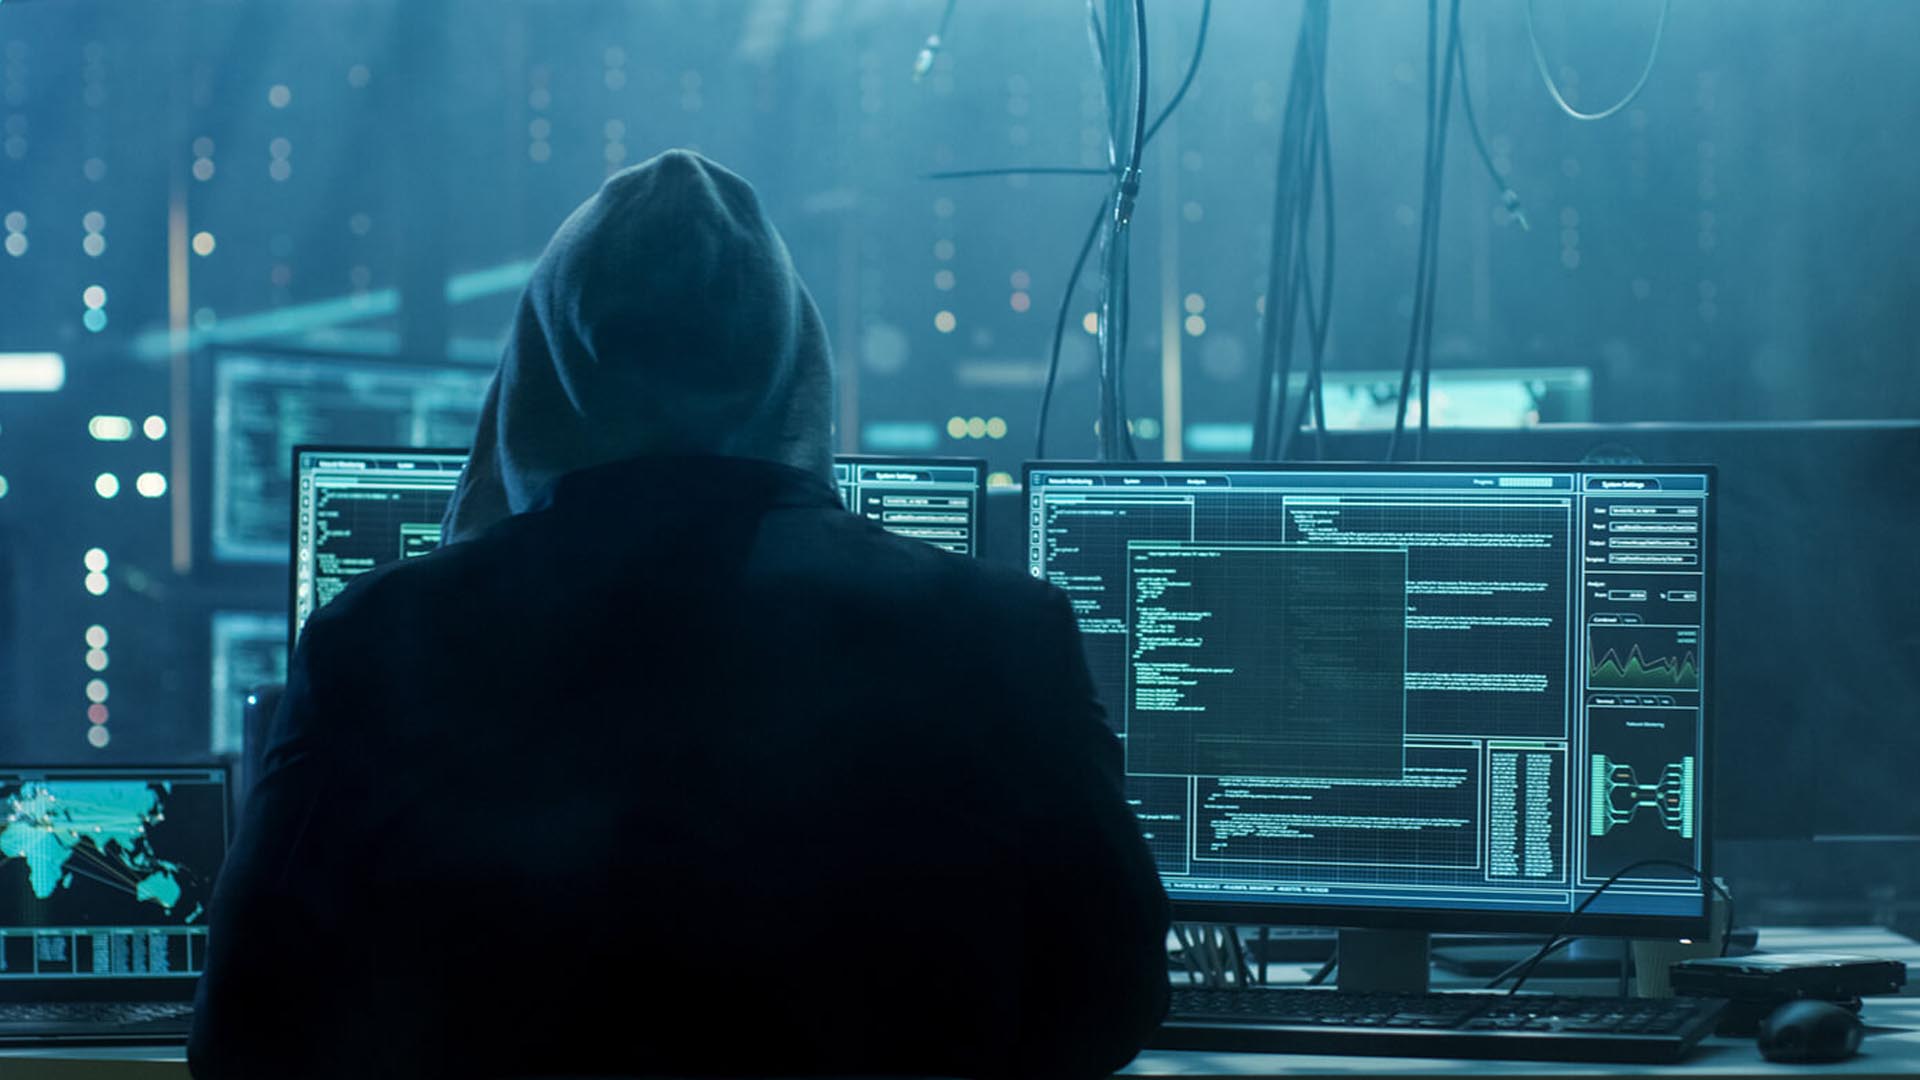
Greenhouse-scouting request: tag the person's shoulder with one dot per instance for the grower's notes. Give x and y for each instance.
(902, 565)
(456, 577)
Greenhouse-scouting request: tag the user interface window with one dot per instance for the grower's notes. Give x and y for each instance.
(1425, 687)
(934, 501)
(105, 873)
(360, 510)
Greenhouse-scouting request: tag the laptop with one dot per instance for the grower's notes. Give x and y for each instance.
(105, 875)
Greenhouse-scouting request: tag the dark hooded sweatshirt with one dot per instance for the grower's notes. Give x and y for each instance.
(667, 764)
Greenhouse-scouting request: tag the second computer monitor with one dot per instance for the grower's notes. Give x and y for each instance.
(360, 508)
(1453, 697)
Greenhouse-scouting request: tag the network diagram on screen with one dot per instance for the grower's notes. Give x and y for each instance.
(1424, 687)
(105, 872)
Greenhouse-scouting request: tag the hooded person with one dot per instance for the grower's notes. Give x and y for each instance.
(665, 763)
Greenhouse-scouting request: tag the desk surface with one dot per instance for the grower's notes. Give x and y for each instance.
(1892, 1048)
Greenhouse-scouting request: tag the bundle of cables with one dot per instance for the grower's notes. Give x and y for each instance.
(1112, 218)
(1305, 169)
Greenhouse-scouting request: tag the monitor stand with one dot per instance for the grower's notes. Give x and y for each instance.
(1383, 960)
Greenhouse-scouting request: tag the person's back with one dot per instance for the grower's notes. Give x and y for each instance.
(681, 768)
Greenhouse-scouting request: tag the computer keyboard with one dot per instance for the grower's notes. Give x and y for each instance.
(82, 1022)
(1465, 1025)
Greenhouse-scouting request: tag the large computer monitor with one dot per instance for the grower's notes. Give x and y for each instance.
(104, 879)
(1434, 696)
(359, 508)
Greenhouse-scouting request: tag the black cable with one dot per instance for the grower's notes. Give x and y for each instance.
(1433, 252)
(1093, 231)
(1116, 440)
(1276, 340)
(1317, 175)
(1316, 375)
(1060, 328)
(1426, 206)
(1509, 198)
(1554, 940)
(1166, 113)
(1512, 969)
(1326, 970)
(1186, 81)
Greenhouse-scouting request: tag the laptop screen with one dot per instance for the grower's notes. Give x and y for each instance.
(105, 874)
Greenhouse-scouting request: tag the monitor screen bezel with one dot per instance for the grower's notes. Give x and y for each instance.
(293, 513)
(81, 988)
(1468, 919)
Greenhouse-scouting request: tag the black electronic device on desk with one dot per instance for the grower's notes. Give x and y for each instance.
(103, 891)
(1406, 698)
(1759, 985)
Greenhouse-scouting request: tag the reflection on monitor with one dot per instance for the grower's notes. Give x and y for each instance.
(937, 500)
(360, 510)
(267, 404)
(1454, 695)
(249, 650)
(105, 873)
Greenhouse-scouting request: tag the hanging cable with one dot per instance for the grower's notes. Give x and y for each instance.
(1060, 330)
(1553, 87)
(1291, 194)
(1420, 331)
(1115, 440)
(1509, 198)
(1433, 251)
(1317, 175)
(1063, 315)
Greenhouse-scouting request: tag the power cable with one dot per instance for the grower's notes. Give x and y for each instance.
(1291, 208)
(1553, 87)
(1509, 198)
(1116, 441)
(1063, 315)
(1433, 252)
(1554, 941)
(1420, 330)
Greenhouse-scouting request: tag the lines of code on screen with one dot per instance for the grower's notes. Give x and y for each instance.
(361, 510)
(1425, 687)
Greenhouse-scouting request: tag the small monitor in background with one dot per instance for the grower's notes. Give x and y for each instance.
(105, 878)
(358, 509)
(249, 650)
(264, 401)
(937, 500)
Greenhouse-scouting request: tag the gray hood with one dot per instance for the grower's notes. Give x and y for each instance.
(665, 317)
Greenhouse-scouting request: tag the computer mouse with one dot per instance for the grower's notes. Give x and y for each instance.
(1807, 1031)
